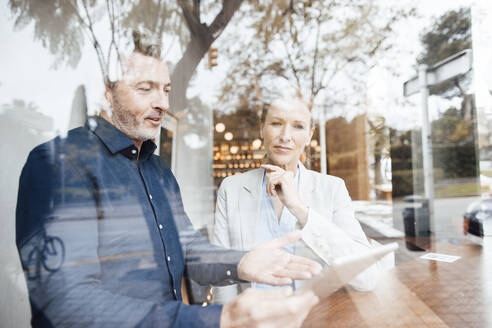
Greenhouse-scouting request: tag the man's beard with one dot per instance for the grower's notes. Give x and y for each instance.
(128, 123)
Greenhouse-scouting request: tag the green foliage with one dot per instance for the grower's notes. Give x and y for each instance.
(448, 35)
(64, 25)
(56, 25)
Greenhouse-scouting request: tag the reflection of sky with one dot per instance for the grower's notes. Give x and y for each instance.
(26, 73)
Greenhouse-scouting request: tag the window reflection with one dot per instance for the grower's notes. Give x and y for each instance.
(351, 73)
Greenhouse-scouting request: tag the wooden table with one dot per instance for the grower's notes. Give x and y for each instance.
(419, 293)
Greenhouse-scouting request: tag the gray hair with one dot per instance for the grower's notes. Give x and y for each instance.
(147, 42)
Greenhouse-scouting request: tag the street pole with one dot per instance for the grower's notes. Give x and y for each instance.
(450, 68)
(427, 145)
(322, 140)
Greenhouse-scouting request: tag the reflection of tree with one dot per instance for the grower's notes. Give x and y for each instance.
(22, 117)
(322, 46)
(446, 36)
(453, 144)
(378, 131)
(454, 132)
(64, 25)
(20, 105)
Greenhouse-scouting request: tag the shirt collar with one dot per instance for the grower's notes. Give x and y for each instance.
(116, 141)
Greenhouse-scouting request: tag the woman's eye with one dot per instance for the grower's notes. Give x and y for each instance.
(167, 90)
(300, 127)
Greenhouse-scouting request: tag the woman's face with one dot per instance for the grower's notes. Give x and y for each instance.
(286, 131)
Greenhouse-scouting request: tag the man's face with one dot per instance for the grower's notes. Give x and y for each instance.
(141, 98)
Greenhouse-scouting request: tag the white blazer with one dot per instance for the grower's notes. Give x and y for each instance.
(331, 229)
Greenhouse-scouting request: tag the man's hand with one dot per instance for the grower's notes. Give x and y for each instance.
(267, 308)
(268, 263)
(281, 184)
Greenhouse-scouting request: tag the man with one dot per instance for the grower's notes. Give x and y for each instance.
(104, 238)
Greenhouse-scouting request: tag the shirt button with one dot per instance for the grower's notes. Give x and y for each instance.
(161, 227)
(150, 196)
(175, 291)
(169, 258)
(228, 272)
(134, 151)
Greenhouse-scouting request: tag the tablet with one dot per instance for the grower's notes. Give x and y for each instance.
(344, 269)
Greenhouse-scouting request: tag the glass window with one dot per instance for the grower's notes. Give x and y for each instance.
(148, 146)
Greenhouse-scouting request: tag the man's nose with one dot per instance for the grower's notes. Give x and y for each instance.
(161, 101)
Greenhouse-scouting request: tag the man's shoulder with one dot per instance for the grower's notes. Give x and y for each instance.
(75, 140)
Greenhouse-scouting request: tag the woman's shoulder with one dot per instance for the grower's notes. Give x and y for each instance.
(325, 180)
(241, 178)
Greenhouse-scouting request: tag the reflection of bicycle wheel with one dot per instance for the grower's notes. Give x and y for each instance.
(32, 265)
(53, 254)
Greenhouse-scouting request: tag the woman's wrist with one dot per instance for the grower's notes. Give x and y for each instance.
(301, 212)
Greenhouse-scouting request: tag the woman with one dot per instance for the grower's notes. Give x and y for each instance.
(283, 195)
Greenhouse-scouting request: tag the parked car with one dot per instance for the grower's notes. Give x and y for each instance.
(477, 219)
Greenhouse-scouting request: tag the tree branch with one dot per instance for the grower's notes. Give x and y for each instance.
(315, 61)
(190, 15)
(229, 7)
(97, 46)
(291, 63)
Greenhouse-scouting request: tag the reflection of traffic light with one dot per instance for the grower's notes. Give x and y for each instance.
(212, 57)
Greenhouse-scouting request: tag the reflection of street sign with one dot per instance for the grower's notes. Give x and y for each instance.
(447, 69)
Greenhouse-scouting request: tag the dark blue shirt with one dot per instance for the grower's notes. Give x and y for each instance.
(104, 239)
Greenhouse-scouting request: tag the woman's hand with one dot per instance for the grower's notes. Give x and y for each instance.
(281, 184)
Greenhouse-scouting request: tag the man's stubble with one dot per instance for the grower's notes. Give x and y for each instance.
(128, 123)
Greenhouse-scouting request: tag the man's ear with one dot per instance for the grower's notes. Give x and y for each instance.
(108, 94)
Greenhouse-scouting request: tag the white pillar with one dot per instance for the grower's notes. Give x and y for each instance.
(427, 145)
(322, 141)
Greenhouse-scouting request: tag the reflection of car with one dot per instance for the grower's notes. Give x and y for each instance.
(478, 218)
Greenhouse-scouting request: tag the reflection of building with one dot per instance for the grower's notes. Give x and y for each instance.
(21, 128)
(347, 154)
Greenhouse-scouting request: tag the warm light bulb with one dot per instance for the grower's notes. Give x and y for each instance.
(220, 127)
(256, 144)
(228, 136)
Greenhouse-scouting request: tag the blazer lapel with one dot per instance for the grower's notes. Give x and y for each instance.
(249, 207)
(307, 184)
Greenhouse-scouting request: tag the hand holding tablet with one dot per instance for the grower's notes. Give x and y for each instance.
(344, 269)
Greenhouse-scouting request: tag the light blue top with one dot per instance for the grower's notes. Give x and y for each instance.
(269, 227)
